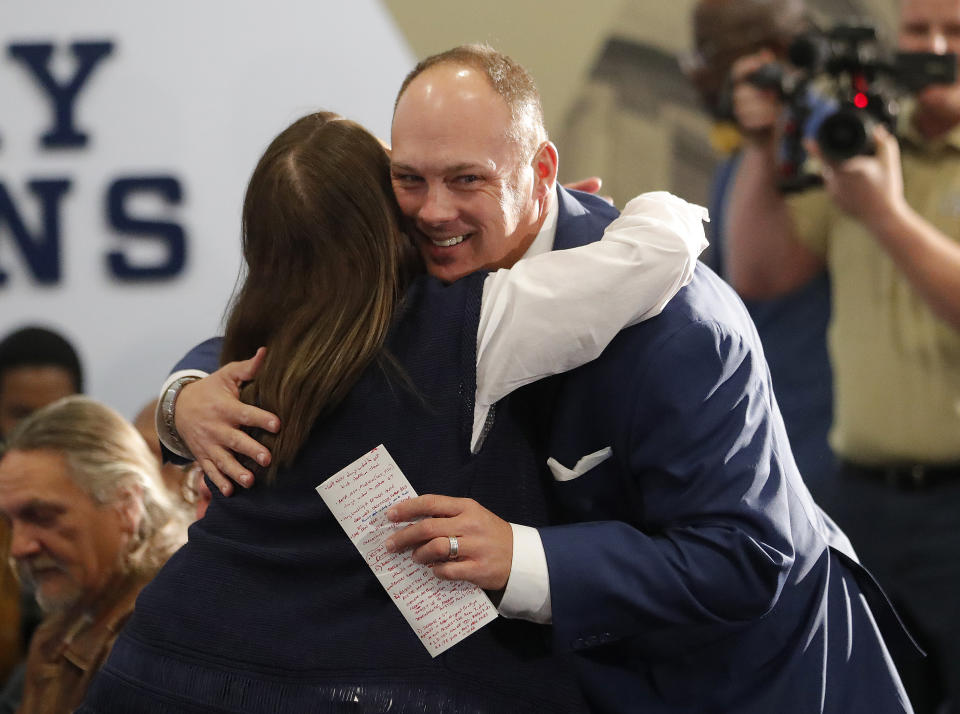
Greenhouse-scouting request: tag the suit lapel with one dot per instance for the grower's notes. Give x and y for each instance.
(581, 218)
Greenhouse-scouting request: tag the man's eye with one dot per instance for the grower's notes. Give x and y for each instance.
(406, 178)
(468, 179)
(43, 517)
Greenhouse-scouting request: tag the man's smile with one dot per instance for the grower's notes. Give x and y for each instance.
(448, 242)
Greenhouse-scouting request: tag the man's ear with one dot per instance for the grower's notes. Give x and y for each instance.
(545, 164)
(129, 505)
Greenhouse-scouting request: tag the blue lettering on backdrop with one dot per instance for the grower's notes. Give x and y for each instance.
(63, 96)
(172, 234)
(42, 251)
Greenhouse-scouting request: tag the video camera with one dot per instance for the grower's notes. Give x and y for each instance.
(838, 85)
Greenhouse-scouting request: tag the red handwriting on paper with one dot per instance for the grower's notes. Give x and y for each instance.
(441, 612)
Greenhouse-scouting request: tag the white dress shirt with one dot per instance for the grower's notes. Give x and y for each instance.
(555, 310)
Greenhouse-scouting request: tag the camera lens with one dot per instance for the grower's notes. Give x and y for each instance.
(845, 134)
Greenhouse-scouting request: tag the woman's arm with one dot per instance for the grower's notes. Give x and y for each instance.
(547, 314)
(556, 311)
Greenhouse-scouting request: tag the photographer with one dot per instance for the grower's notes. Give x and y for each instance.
(889, 230)
(792, 327)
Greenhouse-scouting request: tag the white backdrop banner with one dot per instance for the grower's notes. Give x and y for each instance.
(128, 131)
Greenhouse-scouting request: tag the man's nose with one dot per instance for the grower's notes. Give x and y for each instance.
(438, 206)
(24, 542)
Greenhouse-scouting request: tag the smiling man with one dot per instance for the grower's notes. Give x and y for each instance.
(694, 572)
(91, 523)
(475, 174)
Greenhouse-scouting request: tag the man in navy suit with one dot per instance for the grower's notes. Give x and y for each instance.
(692, 571)
(695, 572)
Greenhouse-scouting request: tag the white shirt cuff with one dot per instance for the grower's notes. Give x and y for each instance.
(162, 431)
(527, 595)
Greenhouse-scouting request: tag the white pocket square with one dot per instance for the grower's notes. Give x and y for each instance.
(562, 473)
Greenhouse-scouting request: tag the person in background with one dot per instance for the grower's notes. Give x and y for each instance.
(37, 367)
(792, 327)
(91, 524)
(888, 227)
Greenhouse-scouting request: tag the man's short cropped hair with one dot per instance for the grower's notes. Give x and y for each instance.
(39, 347)
(508, 78)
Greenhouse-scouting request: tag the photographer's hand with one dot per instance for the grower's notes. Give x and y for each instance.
(756, 109)
(763, 258)
(870, 188)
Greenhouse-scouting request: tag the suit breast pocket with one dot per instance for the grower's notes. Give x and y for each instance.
(583, 465)
(594, 487)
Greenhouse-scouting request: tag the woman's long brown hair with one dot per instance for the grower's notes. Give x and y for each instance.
(327, 265)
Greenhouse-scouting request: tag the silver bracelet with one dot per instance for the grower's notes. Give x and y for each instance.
(167, 410)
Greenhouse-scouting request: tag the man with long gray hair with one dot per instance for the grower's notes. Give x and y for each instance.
(91, 524)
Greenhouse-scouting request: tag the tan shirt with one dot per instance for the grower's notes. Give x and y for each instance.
(896, 365)
(68, 649)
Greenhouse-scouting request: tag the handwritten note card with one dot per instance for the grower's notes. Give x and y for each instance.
(441, 612)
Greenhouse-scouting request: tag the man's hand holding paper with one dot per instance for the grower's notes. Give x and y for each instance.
(484, 541)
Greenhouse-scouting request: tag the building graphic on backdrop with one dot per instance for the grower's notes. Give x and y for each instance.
(637, 121)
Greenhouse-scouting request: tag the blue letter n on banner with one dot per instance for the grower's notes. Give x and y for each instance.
(42, 251)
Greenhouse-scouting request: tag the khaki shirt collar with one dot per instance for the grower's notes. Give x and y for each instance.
(908, 132)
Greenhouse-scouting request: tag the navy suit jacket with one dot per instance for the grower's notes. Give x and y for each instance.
(205, 356)
(696, 573)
